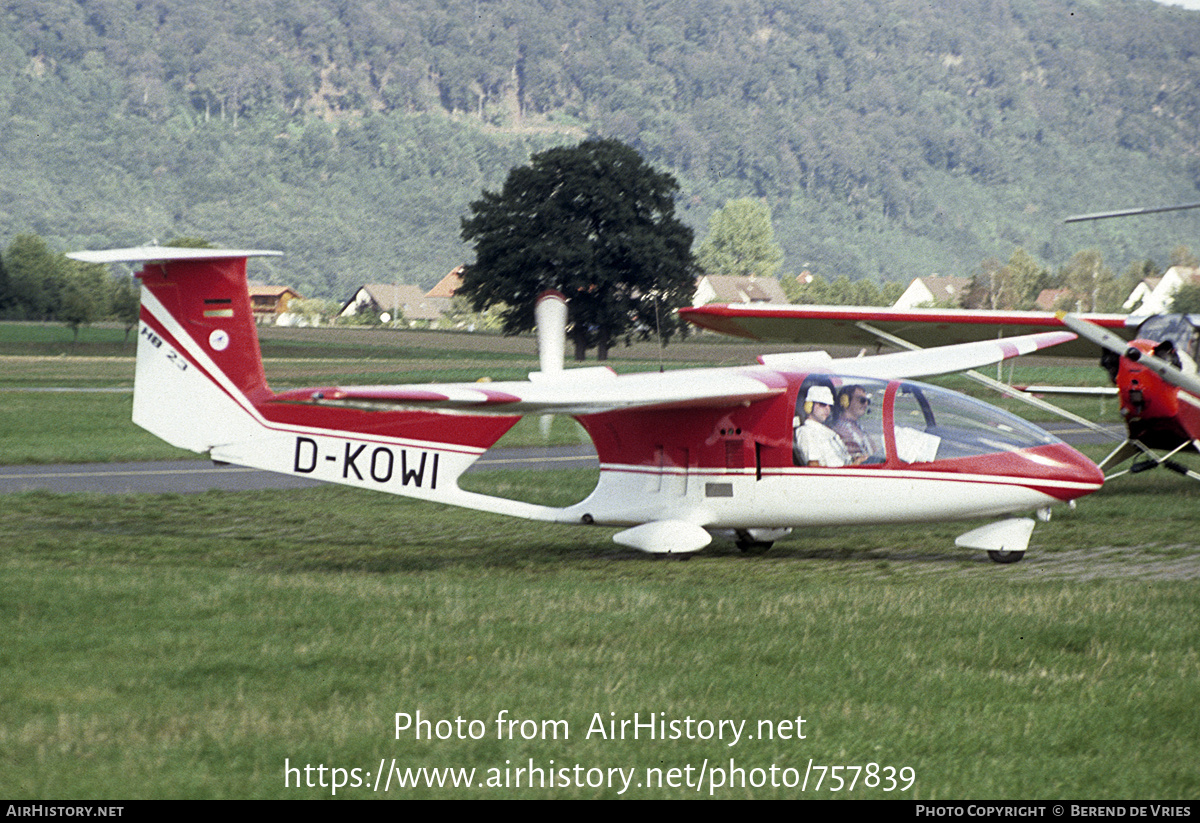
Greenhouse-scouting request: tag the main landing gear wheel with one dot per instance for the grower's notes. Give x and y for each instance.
(755, 546)
(1005, 556)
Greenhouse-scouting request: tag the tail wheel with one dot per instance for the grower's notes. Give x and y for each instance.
(1005, 556)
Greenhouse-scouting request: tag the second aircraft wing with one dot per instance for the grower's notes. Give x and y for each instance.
(926, 328)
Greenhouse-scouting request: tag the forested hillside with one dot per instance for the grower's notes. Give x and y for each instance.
(891, 138)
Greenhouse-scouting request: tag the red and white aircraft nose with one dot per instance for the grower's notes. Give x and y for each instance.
(1062, 472)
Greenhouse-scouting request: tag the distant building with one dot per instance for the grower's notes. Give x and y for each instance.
(1158, 299)
(1050, 299)
(268, 302)
(934, 290)
(1139, 294)
(727, 288)
(448, 285)
(409, 302)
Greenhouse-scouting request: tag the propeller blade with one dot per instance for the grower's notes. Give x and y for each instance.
(1104, 215)
(1107, 340)
(551, 316)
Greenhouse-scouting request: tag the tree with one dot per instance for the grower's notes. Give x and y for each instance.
(126, 302)
(313, 311)
(596, 223)
(741, 241)
(989, 287)
(1093, 285)
(5, 296)
(1186, 299)
(189, 243)
(460, 316)
(1028, 278)
(812, 290)
(808, 289)
(1184, 257)
(35, 276)
(77, 305)
(1015, 285)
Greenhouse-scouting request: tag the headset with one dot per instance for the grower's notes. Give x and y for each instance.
(846, 395)
(808, 384)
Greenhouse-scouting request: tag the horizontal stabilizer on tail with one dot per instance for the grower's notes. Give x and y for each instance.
(155, 254)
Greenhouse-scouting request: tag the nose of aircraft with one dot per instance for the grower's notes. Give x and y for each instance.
(1144, 393)
(1064, 473)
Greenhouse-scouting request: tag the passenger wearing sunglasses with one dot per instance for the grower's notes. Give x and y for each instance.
(853, 403)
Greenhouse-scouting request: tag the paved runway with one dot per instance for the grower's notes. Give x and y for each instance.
(190, 476)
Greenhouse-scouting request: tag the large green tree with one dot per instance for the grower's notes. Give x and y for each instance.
(598, 224)
(36, 278)
(1093, 285)
(741, 241)
(1015, 285)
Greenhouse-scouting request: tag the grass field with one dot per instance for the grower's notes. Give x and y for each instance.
(189, 646)
(194, 645)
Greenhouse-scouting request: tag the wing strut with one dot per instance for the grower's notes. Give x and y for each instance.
(997, 385)
(1132, 448)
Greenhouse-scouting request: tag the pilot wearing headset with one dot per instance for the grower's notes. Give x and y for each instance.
(816, 443)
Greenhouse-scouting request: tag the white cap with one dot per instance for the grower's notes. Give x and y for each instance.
(819, 394)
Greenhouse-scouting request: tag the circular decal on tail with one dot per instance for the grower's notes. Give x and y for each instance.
(219, 340)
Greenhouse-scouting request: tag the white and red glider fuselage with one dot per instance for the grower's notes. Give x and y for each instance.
(695, 451)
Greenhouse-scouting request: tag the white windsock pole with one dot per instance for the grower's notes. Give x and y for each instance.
(550, 314)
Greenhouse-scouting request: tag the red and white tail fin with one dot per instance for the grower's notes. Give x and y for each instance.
(200, 385)
(199, 368)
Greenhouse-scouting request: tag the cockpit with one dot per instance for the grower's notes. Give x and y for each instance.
(890, 423)
(1177, 337)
